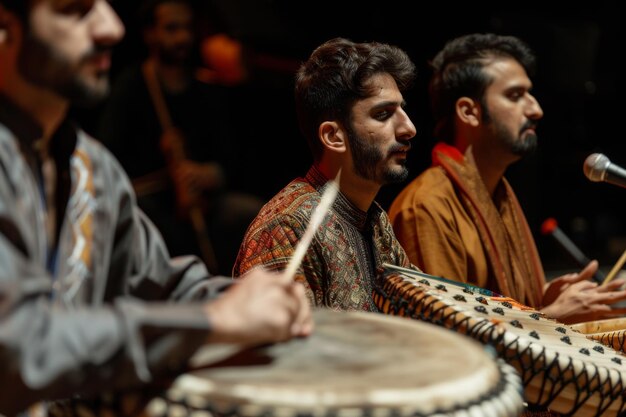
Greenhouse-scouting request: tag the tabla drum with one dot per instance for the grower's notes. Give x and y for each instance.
(609, 332)
(561, 369)
(354, 364)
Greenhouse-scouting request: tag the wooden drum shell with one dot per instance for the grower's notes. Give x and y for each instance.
(560, 368)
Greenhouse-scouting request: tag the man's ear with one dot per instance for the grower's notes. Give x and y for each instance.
(4, 23)
(468, 111)
(333, 136)
(7, 25)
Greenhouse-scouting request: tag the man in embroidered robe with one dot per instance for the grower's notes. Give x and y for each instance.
(460, 219)
(350, 108)
(76, 254)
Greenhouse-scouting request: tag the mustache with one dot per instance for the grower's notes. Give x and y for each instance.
(530, 124)
(402, 146)
(97, 51)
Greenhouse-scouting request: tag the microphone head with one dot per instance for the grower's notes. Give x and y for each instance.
(595, 166)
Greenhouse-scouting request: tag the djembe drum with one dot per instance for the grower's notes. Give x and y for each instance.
(354, 364)
(560, 368)
(609, 332)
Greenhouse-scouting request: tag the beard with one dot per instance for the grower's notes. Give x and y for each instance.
(369, 160)
(180, 54)
(518, 145)
(42, 65)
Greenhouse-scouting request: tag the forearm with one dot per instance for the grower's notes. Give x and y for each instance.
(56, 354)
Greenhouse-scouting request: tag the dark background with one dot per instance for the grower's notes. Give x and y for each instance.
(579, 51)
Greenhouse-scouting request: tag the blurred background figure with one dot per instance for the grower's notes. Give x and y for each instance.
(172, 132)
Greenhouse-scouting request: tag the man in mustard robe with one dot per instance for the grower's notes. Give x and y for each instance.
(460, 219)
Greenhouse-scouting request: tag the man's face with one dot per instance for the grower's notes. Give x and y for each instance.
(379, 134)
(511, 113)
(172, 35)
(67, 47)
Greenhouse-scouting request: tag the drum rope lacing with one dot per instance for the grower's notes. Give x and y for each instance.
(405, 296)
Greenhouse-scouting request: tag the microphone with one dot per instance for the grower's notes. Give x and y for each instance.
(598, 167)
(550, 227)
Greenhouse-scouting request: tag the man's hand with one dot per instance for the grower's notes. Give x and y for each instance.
(199, 176)
(260, 307)
(572, 298)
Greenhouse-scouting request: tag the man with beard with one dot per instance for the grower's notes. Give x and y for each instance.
(351, 110)
(76, 254)
(171, 133)
(460, 218)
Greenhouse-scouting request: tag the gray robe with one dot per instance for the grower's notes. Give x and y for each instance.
(73, 316)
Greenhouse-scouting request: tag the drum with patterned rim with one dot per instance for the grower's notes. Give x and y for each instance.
(560, 368)
(609, 332)
(354, 364)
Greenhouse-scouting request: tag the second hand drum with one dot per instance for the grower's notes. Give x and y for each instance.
(561, 369)
(610, 332)
(354, 364)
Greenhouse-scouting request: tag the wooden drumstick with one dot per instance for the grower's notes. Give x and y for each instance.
(328, 197)
(615, 269)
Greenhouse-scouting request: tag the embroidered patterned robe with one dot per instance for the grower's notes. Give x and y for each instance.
(345, 258)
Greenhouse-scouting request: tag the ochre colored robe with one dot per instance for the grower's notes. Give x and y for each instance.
(451, 227)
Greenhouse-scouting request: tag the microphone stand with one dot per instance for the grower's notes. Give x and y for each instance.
(551, 227)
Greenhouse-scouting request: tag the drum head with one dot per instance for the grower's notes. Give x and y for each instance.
(357, 363)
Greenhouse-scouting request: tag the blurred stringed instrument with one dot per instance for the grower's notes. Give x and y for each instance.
(172, 145)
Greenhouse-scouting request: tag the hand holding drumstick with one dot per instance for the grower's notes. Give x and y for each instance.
(279, 308)
(264, 307)
(616, 268)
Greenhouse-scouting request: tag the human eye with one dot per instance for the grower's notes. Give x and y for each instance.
(385, 111)
(382, 114)
(515, 95)
(74, 7)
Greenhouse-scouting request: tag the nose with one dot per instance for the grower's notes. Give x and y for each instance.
(533, 109)
(406, 129)
(107, 28)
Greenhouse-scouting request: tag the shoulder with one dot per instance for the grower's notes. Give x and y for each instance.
(432, 188)
(296, 199)
(290, 209)
(8, 144)
(99, 157)
(11, 166)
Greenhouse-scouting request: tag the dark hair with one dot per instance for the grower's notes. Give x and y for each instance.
(147, 18)
(19, 7)
(336, 75)
(458, 72)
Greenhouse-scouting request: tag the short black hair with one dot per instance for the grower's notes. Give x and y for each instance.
(19, 7)
(336, 75)
(458, 72)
